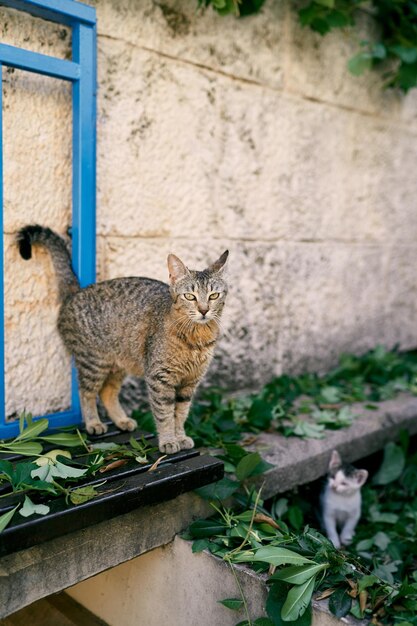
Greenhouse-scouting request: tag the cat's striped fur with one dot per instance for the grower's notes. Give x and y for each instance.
(140, 326)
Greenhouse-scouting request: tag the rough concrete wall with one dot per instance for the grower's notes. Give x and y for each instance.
(250, 134)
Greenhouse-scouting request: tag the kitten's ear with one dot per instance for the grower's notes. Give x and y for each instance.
(335, 461)
(361, 476)
(176, 268)
(219, 265)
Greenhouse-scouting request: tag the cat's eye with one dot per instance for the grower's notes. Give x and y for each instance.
(189, 296)
(214, 295)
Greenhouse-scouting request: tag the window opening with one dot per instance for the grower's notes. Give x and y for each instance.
(80, 71)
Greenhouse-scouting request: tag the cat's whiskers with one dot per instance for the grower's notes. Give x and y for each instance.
(216, 318)
(177, 322)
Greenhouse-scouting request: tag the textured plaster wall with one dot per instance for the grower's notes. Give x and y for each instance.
(214, 132)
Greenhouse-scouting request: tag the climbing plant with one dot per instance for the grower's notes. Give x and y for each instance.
(392, 49)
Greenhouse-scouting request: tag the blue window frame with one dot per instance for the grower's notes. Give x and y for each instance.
(81, 72)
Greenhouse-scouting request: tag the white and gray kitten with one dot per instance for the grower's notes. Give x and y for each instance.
(341, 500)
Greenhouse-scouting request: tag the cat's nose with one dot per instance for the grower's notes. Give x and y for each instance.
(203, 310)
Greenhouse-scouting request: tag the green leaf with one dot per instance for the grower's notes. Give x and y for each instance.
(381, 517)
(359, 63)
(21, 474)
(83, 494)
(381, 540)
(407, 76)
(298, 598)
(330, 395)
(337, 19)
(392, 465)
(21, 422)
(263, 621)
(280, 507)
(67, 471)
(260, 414)
(206, 528)
(57, 470)
(220, 490)
(232, 603)
(25, 448)
(247, 465)
(326, 3)
(308, 429)
(275, 601)
(6, 468)
(105, 445)
(32, 431)
(43, 473)
(280, 556)
(379, 51)
(405, 53)
(295, 517)
(200, 544)
(365, 544)
(340, 603)
(297, 575)
(63, 439)
(356, 610)
(29, 508)
(6, 518)
(366, 581)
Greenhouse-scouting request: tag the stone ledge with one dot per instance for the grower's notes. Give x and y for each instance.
(50, 567)
(300, 461)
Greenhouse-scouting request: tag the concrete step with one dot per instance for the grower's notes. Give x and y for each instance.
(57, 610)
(299, 461)
(182, 589)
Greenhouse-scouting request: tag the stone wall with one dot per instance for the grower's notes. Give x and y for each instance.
(212, 133)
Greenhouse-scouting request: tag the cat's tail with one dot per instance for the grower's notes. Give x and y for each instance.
(45, 237)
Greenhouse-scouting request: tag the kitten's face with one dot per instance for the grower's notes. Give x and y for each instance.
(347, 484)
(199, 295)
(345, 479)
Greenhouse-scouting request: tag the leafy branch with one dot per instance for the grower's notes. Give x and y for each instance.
(393, 49)
(48, 473)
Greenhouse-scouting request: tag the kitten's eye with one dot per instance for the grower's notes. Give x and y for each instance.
(214, 295)
(189, 296)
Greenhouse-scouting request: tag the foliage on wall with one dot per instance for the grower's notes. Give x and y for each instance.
(392, 50)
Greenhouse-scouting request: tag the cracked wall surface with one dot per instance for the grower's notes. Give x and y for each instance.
(212, 133)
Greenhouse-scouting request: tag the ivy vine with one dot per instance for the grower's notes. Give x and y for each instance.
(393, 49)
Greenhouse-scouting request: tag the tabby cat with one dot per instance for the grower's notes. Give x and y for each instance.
(138, 326)
(342, 500)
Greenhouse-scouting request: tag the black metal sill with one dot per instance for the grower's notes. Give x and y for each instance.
(126, 489)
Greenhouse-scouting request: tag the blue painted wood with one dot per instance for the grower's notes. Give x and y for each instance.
(66, 12)
(8, 430)
(81, 71)
(39, 63)
(84, 156)
(84, 165)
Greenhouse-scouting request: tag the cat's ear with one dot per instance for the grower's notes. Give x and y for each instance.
(218, 266)
(176, 268)
(335, 461)
(361, 476)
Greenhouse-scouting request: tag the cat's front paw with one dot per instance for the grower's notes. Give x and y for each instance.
(96, 427)
(126, 423)
(169, 447)
(346, 540)
(186, 443)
